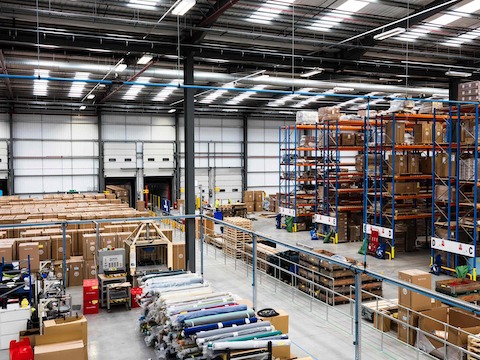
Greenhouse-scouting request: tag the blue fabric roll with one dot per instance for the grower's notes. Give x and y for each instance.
(209, 312)
(194, 329)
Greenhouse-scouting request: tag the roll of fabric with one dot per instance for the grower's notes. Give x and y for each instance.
(209, 312)
(243, 345)
(194, 298)
(195, 329)
(204, 334)
(258, 335)
(203, 305)
(234, 332)
(219, 318)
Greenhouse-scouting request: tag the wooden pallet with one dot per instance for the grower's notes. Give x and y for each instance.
(346, 281)
(343, 299)
(238, 221)
(473, 346)
(367, 287)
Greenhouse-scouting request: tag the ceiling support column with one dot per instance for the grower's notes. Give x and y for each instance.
(189, 134)
(10, 177)
(453, 89)
(101, 164)
(245, 153)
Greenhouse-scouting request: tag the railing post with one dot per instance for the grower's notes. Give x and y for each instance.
(254, 271)
(358, 312)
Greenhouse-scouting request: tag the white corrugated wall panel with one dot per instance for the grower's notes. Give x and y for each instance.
(138, 127)
(4, 126)
(55, 153)
(3, 159)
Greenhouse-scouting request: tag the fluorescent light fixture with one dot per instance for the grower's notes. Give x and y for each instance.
(144, 59)
(392, 32)
(458, 73)
(91, 96)
(342, 89)
(312, 72)
(182, 8)
(286, 112)
(230, 110)
(167, 91)
(77, 88)
(83, 107)
(134, 90)
(40, 86)
(121, 67)
(143, 4)
(171, 111)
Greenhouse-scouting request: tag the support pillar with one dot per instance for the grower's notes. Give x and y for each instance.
(178, 159)
(101, 165)
(245, 153)
(10, 184)
(189, 132)
(453, 89)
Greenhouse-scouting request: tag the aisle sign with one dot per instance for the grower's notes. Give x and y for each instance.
(324, 219)
(287, 211)
(382, 231)
(166, 205)
(452, 247)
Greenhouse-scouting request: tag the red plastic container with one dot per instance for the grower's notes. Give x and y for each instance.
(135, 292)
(90, 289)
(90, 307)
(21, 350)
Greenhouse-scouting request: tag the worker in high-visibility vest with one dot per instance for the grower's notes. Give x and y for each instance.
(217, 204)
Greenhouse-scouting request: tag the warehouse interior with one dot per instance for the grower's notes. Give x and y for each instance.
(275, 179)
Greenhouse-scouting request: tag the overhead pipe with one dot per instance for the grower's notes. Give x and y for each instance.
(226, 78)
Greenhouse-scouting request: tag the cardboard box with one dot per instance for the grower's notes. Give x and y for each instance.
(413, 161)
(58, 270)
(57, 247)
(61, 330)
(403, 188)
(140, 205)
(250, 206)
(382, 321)
(248, 196)
(355, 233)
(426, 165)
(422, 133)
(412, 299)
(461, 324)
(359, 139)
(280, 322)
(71, 350)
(347, 139)
(89, 243)
(178, 256)
(6, 250)
(258, 206)
(89, 269)
(441, 164)
(399, 132)
(27, 250)
(75, 271)
(399, 165)
(108, 240)
(442, 192)
(258, 196)
(407, 333)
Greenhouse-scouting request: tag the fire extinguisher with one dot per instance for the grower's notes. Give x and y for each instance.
(175, 205)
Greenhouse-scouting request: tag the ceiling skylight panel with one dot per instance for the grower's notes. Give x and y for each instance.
(40, 87)
(78, 86)
(338, 15)
(444, 19)
(281, 101)
(469, 8)
(134, 90)
(270, 10)
(352, 6)
(239, 98)
(216, 94)
(167, 91)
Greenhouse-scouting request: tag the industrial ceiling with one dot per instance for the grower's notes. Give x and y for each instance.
(276, 47)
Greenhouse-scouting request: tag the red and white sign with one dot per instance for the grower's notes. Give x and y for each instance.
(384, 232)
(287, 211)
(324, 219)
(453, 247)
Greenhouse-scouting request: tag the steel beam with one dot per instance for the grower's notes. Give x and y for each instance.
(189, 132)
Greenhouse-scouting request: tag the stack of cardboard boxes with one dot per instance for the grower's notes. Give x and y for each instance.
(253, 200)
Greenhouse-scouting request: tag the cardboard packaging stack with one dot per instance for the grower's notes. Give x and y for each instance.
(253, 200)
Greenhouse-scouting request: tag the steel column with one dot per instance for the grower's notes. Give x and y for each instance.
(189, 129)
(10, 182)
(178, 149)
(245, 153)
(453, 89)
(358, 313)
(101, 165)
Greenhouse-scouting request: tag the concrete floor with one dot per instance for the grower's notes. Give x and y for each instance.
(315, 329)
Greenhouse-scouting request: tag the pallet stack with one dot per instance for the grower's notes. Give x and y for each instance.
(473, 346)
(263, 253)
(234, 240)
(336, 279)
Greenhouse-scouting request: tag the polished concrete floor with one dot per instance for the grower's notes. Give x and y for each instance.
(321, 331)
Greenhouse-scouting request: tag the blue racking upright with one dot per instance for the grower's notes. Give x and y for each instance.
(299, 166)
(455, 197)
(397, 190)
(340, 179)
